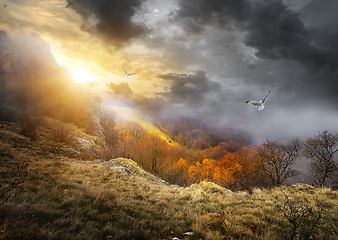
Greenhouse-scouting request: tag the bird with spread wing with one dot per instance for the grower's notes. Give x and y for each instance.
(260, 104)
(128, 74)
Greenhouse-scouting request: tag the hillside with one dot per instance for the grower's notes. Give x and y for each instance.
(133, 115)
(48, 192)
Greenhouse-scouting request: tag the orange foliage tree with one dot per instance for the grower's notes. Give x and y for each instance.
(178, 172)
(157, 149)
(179, 164)
(202, 171)
(239, 170)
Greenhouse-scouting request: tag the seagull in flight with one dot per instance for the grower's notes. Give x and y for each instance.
(260, 104)
(128, 74)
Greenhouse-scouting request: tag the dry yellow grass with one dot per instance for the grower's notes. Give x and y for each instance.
(90, 200)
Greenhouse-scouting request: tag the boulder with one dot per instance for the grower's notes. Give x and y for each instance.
(122, 169)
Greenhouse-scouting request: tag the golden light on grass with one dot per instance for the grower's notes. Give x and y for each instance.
(133, 115)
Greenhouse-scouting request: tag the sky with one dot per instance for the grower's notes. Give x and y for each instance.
(200, 58)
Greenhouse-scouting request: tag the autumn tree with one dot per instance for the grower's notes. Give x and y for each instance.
(181, 164)
(179, 172)
(156, 148)
(239, 170)
(228, 170)
(277, 160)
(321, 150)
(202, 171)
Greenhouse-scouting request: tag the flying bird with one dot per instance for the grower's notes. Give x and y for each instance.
(128, 74)
(260, 104)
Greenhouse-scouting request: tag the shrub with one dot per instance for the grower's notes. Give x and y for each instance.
(14, 185)
(303, 218)
(29, 128)
(61, 133)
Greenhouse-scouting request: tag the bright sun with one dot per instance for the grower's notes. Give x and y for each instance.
(82, 75)
(81, 72)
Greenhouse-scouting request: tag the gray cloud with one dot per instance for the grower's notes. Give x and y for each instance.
(319, 14)
(272, 28)
(114, 17)
(278, 35)
(270, 47)
(121, 90)
(278, 32)
(189, 90)
(196, 14)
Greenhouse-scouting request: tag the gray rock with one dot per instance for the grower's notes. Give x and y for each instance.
(302, 185)
(122, 169)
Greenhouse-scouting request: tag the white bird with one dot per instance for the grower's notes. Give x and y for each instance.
(128, 74)
(260, 104)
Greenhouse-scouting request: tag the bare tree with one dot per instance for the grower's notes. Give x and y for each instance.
(304, 218)
(157, 150)
(321, 150)
(278, 159)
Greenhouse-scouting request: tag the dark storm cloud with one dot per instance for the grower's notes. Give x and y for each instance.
(196, 14)
(320, 14)
(272, 28)
(187, 89)
(114, 17)
(277, 33)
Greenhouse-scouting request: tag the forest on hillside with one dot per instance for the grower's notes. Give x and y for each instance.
(205, 155)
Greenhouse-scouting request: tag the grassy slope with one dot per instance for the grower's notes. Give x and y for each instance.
(90, 200)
